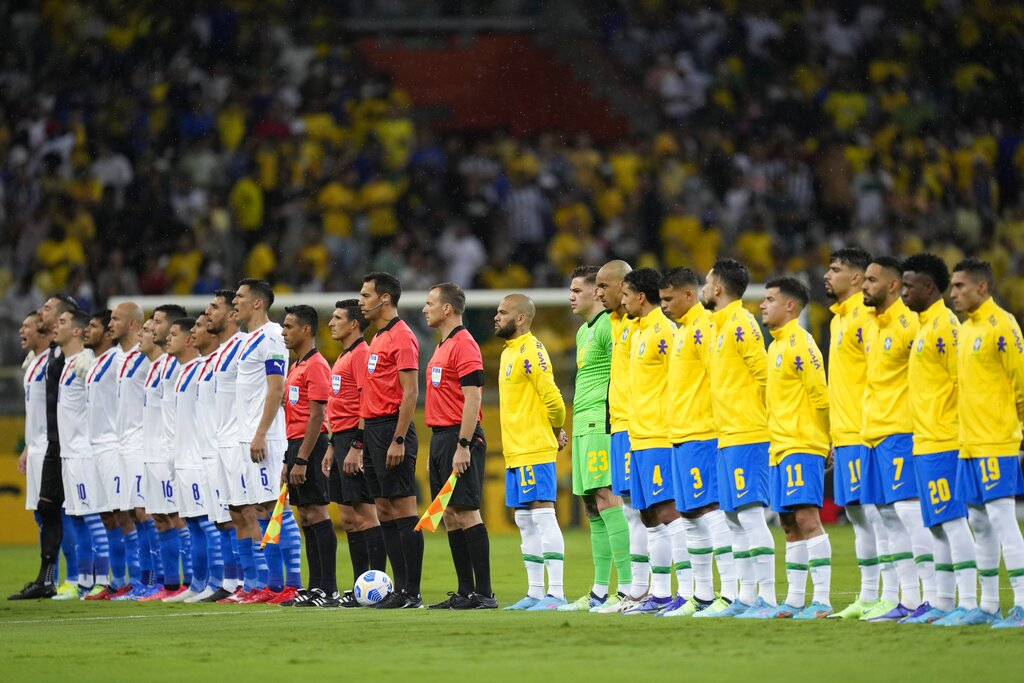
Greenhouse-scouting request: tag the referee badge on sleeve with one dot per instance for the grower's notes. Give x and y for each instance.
(335, 384)
(293, 394)
(435, 375)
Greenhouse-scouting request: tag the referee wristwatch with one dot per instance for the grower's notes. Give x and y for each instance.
(399, 440)
(463, 442)
(301, 461)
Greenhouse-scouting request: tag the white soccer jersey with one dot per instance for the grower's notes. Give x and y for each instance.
(72, 420)
(206, 408)
(101, 399)
(169, 376)
(225, 379)
(35, 404)
(152, 413)
(131, 397)
(186, 431)
(263, 354)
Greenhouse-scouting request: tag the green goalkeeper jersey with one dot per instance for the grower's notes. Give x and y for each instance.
(593, 372)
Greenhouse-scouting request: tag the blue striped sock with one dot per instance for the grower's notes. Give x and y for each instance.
(274, 561)
(131, 547)
(170, 556)
(262, 570)
(291, 548)
(186, 555)
(155, 553)
(247, 558)
(101, 548)
(145, 556)
(229, 548)
(214, 554)
(84, 550)
(69, 548)
(118, 556)
(197, 554)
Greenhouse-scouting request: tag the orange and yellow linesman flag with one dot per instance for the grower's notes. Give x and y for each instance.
(432, 517)
(273, 532)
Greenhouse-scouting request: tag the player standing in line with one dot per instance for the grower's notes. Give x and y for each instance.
(932, 384)
(990, 369)
(532, 414)
(455, 377)
(306, 390)
(591, 443)
(889, 479)
(343, 462)
(389, 458)
(739, 377)
(608, 290)
(798, 422)
(695, 444)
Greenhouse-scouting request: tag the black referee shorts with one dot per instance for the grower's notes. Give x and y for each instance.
(399, 482)
(314, 490)
(51, 482)
(346, 489)
(467, 491)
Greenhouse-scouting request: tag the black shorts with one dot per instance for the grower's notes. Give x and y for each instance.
(467, 491)
(51, 482)
(398, 482)
(346, 489)
(314, 490)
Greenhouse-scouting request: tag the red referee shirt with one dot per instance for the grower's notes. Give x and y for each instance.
(393, 349)
(347, 378)
(308, 380)
(456, 363)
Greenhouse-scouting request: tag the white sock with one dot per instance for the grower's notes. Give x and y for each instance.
(554, 549)
(533, 553)
(796, 573)
(909, 512)
(721, 539)
(639, 560)
(986, 547)
(661, 561)
(890, 580)
(945, 582)
(1002, 514)
(902, 554)
(762, 551)
(744, 563)
(680, 557)
(819, 559)
(866, 551)
(965, 566)
(699, 547)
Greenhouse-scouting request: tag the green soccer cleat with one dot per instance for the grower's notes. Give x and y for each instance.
(689, 608)
(609, 605)
(855, 610)
(879, 609)
(67, 591)
(714, 609)
(583, 604)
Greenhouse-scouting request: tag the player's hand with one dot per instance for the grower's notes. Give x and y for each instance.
(395, 456)
(258, 448)
(297, 475)
(460, 463)
(284, 474)
(325, 464)
(561, 437)
(23, 462)
(830, 459)
(353, 464)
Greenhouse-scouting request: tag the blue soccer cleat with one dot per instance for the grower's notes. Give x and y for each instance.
(731, 610)
(759, 610)
(548, 603)
(650, 605)
(969, 617)
(928, 617)
(815, 610)
(895, 614)
(1014, 619)
(921, 610)
(524, 604)
(784, 611)
(677, 602)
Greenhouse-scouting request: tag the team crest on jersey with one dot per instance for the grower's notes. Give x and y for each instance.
(508, 370)
(839, 341)
(920, 345)
(778, 361)
(435, 375)
(888, 343)
(335, 384)
(643, 347)
(625, 334)
(293, 394)
(977, 344)
(371, 364)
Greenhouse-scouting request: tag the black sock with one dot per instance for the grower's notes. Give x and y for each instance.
(460, 558)
(395, 551)
(375, 548)
(357, 553)
(327, 550)
(479, 546)
(51, 534)
(412, 548)
(313, 557)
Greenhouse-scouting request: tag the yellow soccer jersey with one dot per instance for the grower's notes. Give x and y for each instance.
(797, 394)
(648, 382)
(530, 404)
(991, 382)
(932, 375)
(851, 327)
(886, 403)
(623, 329)
(690, 417)
(739, 375)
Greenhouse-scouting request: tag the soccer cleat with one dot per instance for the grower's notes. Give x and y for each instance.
(412, 601)
(35, 591)
(183, 596)
(99, 592)
(146, 591)
(929, 617)
(348, 599)
(548, 603)
(66, 591)
(332, 601)
(393, 600)
(478, 601)
(217, 595)
(453, 600)
(584, 603)
(611, 602)
(759, 610)
(717, 609)
(815, 610)
(158, 596)
(258, 597)
(895, 614)
(921, 610)
(785, 611)
(1014, 619)
(855, 610)
(650, 605)
(688, 608)
(523, 605)
(123, 592)
(880, 607)
(236, 597)
(305, 598)
(289, 593)
(678, 601)
(969, 617)
(202, 595)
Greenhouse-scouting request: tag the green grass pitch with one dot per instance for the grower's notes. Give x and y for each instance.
(79, 642)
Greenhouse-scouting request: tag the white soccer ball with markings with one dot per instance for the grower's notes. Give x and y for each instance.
(372, 587)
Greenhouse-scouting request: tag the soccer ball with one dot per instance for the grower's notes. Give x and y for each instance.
(372, 587)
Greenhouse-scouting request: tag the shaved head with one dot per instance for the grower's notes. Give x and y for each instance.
(615, 270)
(521, 304)
(131, 311)
(608, 285)
(514, 317)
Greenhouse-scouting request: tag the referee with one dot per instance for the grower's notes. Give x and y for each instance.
(455, 377)
(389, 457)
(305, 407)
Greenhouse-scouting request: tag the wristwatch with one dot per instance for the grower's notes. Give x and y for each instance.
(400, 440)
(301, 461)
(464, 442)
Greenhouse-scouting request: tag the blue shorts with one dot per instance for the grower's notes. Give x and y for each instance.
(798, 480)
(936, 480)
(695, 474)
(979, 480)
(653, 483)
(743, 476)
(847, 472)
(530, 484)
(620, 463)
(889, 471)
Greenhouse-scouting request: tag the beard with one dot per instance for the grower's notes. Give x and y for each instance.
(505, 331)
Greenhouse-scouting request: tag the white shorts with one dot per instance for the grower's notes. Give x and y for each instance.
(159, 482)
(113, 479)
(83, 493)
(217, 490)
(194, 499)
(135, 475)
(33, 473)
(234, 471)
(261, 480)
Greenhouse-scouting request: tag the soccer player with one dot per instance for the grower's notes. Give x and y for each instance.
(343, 461)
(591, 443)
(739, 376)
(608, 290)
(695, 444)
(798, 423)
(990, 371)
(305, 410)
(889, 480)
(389, 458)
(932, 384)
(455, 377)
(532, 414)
